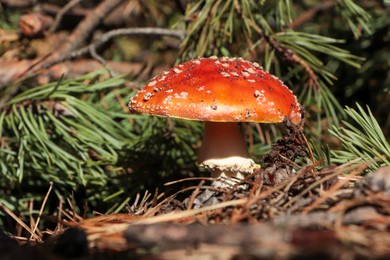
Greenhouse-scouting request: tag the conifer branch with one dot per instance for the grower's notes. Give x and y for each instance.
(364, 139)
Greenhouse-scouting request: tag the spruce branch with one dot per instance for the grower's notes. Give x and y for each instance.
(363, 139)
(355, 16)
(304, 44)
(79, 135)
(62, 129)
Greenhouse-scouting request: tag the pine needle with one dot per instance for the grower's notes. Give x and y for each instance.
(363, 139)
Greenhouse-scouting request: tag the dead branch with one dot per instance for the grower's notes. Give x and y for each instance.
(61, 13)
(79, 35)
(311, 13)
(10, 71)
(149, 31)
(120, 32)
(101, 60)
(54, 10)
(19, 221)
(232, 241)
(17, 3)
(170, 236)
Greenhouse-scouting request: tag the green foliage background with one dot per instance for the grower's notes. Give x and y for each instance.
(75, 132)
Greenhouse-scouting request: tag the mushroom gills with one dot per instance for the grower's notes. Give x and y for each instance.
(229, 171)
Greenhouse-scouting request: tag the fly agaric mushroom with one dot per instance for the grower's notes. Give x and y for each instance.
(221, 92)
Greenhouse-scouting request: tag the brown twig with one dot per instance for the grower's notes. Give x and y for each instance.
(333, 173)
(189, 179)
(42, 208)
(55, 58)
(61, 13)
(308, 146)
(294, 58)
(194, 194)
(100, 59)
(149, 31)
(20, 222)
(80, 34)
(68, 216)
(18, 3)
(311, 13)
(334, 188)
(59, 227)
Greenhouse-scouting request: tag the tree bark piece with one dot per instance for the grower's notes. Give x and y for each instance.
(231, 241)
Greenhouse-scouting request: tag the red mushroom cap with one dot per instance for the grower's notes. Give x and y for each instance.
(219, 90)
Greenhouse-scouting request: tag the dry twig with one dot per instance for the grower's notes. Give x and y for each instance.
(42, 208)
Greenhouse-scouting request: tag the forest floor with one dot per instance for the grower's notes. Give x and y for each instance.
(331, 212)
(311, 213)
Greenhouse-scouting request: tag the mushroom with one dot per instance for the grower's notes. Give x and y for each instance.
(221, 92)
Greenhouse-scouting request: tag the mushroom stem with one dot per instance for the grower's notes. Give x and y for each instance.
(224, 151)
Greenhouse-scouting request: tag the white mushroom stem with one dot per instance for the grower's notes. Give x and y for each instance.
(224, 151)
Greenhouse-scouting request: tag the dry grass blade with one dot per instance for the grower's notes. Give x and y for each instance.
(189, 179)
(332, 174)
(194, 194)
(335, 187)
(97, 231)
(20, 222)
(42, 208)
(152, 211)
